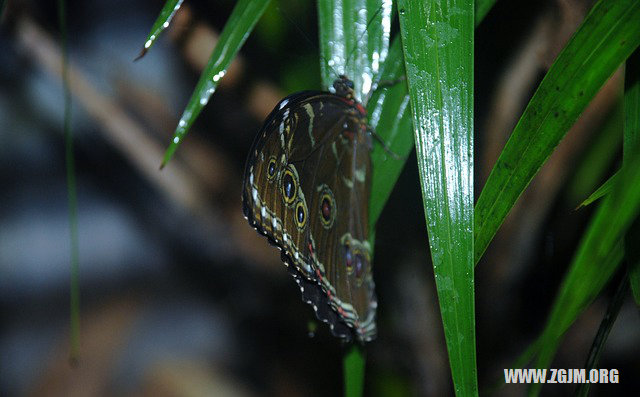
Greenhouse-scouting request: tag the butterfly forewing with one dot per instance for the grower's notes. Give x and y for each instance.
(306, 187)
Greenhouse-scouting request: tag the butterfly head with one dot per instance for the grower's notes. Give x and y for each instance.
(344, 87)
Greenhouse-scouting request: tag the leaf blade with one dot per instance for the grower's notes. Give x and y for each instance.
(354, 41)
(631, 139)
(608, 34)
(161, 23)
(390, 117)
(438, 48)
(600, 192)
(598, 256)
(238, 27)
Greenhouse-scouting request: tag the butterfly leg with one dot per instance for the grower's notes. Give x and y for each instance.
(386, 147)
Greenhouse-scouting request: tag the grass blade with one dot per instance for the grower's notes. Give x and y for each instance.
(438, 48)
(600, 192)
(238, 27)
(607, 36)
(162, 22)
(603, 332)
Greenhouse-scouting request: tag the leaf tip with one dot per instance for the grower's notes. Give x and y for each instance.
(142, 53)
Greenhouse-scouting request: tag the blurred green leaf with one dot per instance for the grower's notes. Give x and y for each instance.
(599, 155)
(3, 6)
(632, 140)
(301, 73)
(238, 27)
(354, 372)
(603, 333)
(390, 117)
(392, 383)
(482, 8)
(632, 257)
(437, 39)
(162, 22)
(272, 28)
(607, 36)
(631, 105)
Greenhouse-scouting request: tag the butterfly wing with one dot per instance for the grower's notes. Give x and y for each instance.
(306, 187)
(338, 227)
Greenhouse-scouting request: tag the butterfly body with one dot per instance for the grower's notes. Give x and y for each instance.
(306, 187)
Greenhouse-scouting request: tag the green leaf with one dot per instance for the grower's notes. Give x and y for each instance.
(354, 41)
(609, 33)
(600, 192)
(437, 38)
(242, 20)
(3, 6)
(482, 9)
(390, 117)
(601, 250)
(631, 105)
(596, 162)
(162, 22)
(598, 256)
(603, 333)
(632, 140)
(632, 258)
(354, 372)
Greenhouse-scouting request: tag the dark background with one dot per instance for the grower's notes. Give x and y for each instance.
(179, 294)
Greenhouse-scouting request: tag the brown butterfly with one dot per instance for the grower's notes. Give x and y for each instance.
(306, 187)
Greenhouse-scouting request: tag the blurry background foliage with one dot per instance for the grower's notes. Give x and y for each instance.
(179, 294)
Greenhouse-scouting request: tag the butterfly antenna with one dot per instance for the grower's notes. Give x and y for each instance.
(353, 50)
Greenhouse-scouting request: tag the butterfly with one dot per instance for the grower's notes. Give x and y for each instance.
(306, 187)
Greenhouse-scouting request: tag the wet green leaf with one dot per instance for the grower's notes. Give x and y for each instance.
(354, 41)
(238, 27)
(162, 22)
(390, 117)
(437, 38)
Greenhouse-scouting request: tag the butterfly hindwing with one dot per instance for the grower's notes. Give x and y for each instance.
(339, 222)
(306, 187)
